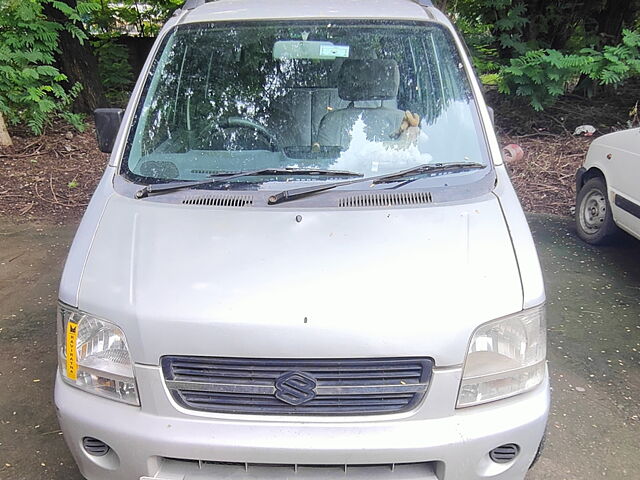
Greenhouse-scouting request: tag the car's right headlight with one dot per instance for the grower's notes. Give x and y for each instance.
(93, 355)
(505, 357)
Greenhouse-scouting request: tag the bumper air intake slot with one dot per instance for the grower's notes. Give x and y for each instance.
(177, 468)
(504, 453)
(95, 447)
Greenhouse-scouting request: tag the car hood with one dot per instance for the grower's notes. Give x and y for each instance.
(282, 283)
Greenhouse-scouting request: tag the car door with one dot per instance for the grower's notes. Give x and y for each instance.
(623, 179)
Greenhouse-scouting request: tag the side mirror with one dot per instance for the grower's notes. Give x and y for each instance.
(108, 122)
(492, 115)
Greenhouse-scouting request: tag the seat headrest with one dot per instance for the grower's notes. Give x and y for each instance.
(371, 79)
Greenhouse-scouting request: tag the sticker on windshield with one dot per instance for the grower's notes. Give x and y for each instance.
(337, 51)
(72, 357)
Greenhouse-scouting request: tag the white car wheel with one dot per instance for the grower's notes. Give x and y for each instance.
(594, 220)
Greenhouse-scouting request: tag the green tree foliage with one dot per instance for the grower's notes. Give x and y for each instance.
(115, 70)
(111, 20)
(124, 16)
(540, 49)
(543, 75)
(32, 89)
(537, 49)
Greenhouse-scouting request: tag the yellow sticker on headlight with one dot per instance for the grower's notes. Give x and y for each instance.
(72, 356)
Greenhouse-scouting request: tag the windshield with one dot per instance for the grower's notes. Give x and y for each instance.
(368, 98)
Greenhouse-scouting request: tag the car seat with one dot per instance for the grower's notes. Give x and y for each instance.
(364, 80)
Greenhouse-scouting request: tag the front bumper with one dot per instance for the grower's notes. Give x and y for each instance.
(435, 442)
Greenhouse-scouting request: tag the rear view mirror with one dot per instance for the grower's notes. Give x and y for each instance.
(308, 49)
(108, 122)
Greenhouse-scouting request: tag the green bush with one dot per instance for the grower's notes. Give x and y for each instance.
(32, 90)
(544, 75)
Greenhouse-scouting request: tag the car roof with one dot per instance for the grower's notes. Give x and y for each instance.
(230, 10)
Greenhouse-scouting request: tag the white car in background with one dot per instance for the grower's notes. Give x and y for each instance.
(608, 188)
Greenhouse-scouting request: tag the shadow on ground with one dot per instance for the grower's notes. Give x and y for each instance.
(594, 337)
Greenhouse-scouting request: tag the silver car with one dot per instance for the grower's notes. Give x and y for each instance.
(305, 259)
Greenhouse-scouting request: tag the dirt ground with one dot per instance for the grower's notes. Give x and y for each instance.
(51, 177)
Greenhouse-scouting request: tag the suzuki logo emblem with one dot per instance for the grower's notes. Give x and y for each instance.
(295, 388)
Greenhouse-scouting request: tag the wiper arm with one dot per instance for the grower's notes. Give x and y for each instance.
(296, 193)
(222, 178)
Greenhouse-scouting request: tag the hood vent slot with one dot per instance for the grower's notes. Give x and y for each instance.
(386, 199)
(206, 172)
(220, 200)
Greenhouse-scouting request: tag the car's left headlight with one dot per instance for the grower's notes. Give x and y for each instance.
(93, 355)
(505, 357)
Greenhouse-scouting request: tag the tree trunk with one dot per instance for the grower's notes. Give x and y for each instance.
(5, 139)
(78, 63)
(616, 15)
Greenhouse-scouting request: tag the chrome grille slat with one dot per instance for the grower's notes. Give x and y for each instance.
(360, 365)
(317, 371)
(231, 405)
(254, 400)
(342, 387)
(213, 375)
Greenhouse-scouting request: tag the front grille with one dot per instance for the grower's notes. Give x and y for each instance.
(297, 387)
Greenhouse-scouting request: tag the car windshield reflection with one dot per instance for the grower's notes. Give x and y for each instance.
(369, 98)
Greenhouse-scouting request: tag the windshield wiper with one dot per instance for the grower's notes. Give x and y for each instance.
(428, 168)
(296, 193)
(160, 188)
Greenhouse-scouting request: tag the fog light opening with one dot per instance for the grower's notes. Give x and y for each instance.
(95, 447)
(504, 453)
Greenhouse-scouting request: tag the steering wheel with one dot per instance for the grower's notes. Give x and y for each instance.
(239, 122)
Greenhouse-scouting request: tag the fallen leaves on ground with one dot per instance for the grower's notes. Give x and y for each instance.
(52, 176)
(545, 177)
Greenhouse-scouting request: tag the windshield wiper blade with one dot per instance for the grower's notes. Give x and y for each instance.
(295, 171)
(293, 194)
(160, 188)
(428, 168)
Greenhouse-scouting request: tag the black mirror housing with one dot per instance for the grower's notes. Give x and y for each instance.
(108, 122)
